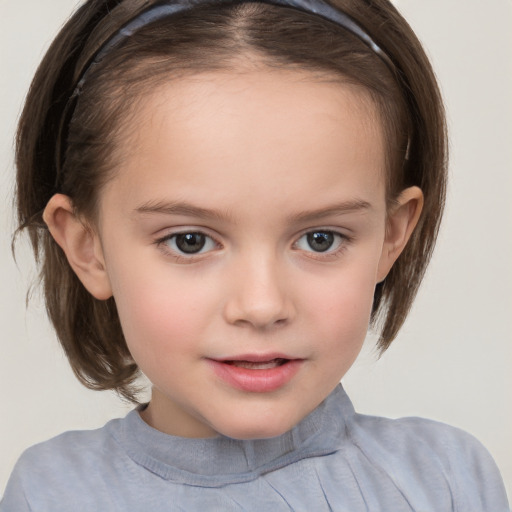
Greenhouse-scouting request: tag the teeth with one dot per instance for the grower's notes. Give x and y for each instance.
(264, 365)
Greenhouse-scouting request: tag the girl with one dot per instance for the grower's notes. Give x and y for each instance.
(223, 196)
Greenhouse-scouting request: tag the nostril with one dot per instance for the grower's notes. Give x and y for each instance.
(258, 296)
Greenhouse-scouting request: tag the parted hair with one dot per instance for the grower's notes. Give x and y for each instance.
(77, 156)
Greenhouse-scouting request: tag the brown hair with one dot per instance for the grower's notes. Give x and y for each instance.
(213, 37)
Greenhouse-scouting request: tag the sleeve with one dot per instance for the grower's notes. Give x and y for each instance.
(477, 481)
(14, 498)
(434, 463)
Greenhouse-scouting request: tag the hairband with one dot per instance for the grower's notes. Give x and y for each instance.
(166, 8)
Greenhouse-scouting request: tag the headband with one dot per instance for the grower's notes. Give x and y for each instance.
(166, 8)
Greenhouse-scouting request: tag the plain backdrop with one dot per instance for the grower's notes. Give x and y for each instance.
(451, 362)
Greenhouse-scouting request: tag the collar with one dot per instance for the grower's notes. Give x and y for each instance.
(218, 461)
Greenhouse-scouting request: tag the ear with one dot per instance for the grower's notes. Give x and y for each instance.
(401, 221)
(80, 243)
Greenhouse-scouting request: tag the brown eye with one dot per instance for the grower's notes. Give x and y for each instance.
(320, 241)
(187, 244)
(190, 243)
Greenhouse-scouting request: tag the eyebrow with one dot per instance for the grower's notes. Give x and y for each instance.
(354, 206)
(189, 210)
(182, 208)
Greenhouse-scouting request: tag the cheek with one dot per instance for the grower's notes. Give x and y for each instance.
(341, 308)
(160, 316)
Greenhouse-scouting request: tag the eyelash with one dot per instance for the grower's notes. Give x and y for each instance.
(177, 254)
(182, 257)
(329, 254)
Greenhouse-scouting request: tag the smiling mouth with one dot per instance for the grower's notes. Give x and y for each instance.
(261, 365)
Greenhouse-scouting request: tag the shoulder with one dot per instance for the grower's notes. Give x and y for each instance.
(431, 451)
(70, 464)
(74, 450)
(436, 437)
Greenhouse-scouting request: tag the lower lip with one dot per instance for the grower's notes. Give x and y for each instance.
(257, 381)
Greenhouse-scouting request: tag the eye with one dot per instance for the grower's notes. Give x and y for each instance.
(188, 243)
(320, 241)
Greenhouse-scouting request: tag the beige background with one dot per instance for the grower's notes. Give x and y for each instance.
(452, 361)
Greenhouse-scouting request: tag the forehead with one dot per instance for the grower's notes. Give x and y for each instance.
(249, 134)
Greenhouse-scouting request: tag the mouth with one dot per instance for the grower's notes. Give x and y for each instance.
(258, 365)
(257, 374)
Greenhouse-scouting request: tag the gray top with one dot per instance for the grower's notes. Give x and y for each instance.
(334, 460)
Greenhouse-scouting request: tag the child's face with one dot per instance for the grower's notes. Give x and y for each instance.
(278, 180)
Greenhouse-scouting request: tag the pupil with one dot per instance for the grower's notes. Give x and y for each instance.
(190, 243)
(320, 241)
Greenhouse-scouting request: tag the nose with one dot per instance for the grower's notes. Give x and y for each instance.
(260, 294)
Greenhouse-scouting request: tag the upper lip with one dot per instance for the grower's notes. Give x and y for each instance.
(256, 358)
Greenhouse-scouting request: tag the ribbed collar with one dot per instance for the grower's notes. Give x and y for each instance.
(221, 460)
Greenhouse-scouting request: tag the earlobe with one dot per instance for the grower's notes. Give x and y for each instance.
(402, 219)
(80, 244)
